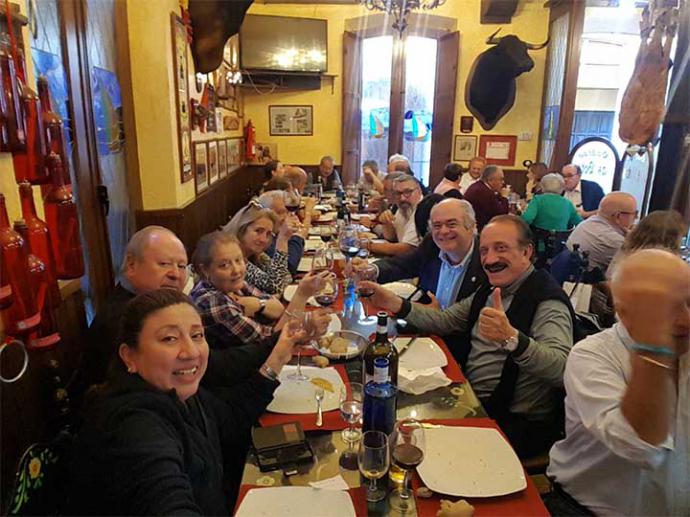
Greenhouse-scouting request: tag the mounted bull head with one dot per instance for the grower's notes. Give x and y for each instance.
(490, 87)
(214, 21)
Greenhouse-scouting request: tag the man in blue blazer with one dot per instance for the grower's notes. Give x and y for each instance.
(584, 194)
(446, 262)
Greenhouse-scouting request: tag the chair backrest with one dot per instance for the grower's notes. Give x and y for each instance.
(40, 484)
(569, 266)
(548, 244)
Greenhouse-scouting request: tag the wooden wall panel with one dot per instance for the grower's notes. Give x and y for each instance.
(209, 210)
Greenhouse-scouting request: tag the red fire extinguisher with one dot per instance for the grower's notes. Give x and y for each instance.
(250, 141)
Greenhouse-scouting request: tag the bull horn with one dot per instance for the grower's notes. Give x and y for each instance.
(493, 40)
(532, 46)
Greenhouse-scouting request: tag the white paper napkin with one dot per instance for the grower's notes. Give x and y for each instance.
(334, 483)
(416, 382)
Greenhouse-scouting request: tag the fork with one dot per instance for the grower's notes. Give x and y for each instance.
(318, 395)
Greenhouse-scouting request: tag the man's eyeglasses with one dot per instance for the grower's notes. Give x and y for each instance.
(405, 193)
(568, 176)
(635, 213)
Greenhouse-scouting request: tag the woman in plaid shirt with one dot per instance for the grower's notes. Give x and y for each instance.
(228, 305)
(255, 227)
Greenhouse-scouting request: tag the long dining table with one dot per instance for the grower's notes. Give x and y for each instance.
(453, 405)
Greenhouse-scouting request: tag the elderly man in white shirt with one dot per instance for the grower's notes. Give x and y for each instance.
(627, 445)
(399, 229)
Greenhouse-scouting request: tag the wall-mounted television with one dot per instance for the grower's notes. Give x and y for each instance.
(284, 44)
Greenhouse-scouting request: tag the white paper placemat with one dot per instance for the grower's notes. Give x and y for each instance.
(470, 462)
(295, 501)
(297, 397)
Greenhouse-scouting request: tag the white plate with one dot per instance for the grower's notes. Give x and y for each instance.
(326, 218)
(423, 353)
(305, 263)
(402, 289)
(289, 294)
(470, 462)
(335, 325)
(313, 244)
(297, 397)
(323, 208)
(295, 501)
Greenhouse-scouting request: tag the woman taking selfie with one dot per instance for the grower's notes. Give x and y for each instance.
(154, 443)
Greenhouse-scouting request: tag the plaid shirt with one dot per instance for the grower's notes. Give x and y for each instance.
(222, 315)
(271, 275)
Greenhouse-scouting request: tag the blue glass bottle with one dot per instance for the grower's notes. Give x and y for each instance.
(380, 400)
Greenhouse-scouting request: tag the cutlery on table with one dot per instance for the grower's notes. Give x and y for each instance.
(318, 395)
(407, 346)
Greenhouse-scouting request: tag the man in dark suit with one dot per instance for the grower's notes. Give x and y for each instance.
(485, 196)
(584, 194)
(446, 262)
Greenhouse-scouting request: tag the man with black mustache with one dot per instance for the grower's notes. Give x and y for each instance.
(517, 333)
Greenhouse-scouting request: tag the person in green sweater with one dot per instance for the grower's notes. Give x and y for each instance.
(551, 211)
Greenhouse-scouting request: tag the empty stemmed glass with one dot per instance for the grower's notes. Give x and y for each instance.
(304, 318)
(322, 260)
(407, 452)
(373, 461)
(351, 411)
(365, 273)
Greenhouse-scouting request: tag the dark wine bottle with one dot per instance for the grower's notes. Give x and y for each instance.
(380, 397)
(380, 347)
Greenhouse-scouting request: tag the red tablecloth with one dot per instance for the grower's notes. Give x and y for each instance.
(357, 495)
(526, 502)
(332, 421)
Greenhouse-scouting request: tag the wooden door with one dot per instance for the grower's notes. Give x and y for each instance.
(444, 105)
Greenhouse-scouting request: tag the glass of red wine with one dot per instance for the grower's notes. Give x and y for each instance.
(407, 452)
(327, 295)
(365, 273)
(326, 233)
(348, 242)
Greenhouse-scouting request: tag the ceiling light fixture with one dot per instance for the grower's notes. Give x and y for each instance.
(400, 9)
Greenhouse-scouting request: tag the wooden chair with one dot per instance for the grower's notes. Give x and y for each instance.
(40, 484)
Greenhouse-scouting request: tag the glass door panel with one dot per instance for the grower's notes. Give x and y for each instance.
(420, 82)
(377, 55)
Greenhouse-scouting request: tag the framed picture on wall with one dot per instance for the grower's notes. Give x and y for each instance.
(291, 120)
(222, 158)
(498, 149)
(212, 162)
(184, 129)
(234, 155)
(200, 167)
(464, 148)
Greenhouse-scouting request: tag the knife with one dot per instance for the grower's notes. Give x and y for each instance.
(407, 346)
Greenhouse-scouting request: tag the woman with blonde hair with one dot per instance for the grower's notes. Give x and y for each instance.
(255, 228)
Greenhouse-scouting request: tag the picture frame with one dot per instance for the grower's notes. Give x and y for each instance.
(234, 154)
(200, 167)
(181, 71)
(498, 149)
(222, 158)
(212, 162)
(466, 124)
(464, 148)
(291, 120)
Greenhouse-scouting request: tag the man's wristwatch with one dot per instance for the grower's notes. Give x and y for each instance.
(262, 307)
(269, 372)
(511, 343)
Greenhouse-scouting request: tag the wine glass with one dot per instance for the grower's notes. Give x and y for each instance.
(407, 452)
(322, 260)
(364, 246)
(305, 323)
(293, 202)
(328, 293)
(326, 234)
(351, 411)
(368, 273)
(373, 461)
(348, 242)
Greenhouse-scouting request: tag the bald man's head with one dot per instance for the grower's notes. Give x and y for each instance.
(297, 176)
(619, 208)
(155, 258)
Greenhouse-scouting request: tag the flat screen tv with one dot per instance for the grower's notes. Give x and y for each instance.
(284, 44)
